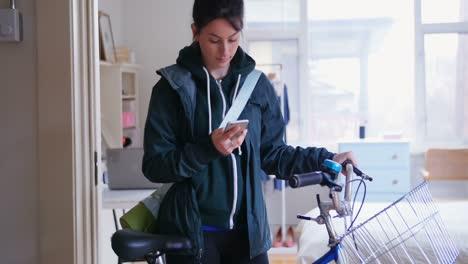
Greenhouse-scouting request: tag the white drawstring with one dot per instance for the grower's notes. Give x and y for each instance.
(220, 90)
(208, 99)
(239, 150)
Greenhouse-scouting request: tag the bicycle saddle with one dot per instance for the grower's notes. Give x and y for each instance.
(132, 245)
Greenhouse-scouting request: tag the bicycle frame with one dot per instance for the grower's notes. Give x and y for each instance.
(342, 207)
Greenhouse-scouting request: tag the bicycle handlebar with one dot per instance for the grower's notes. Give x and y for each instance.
(326, 176)
(330, 170)
(306, 179)
(312, 178)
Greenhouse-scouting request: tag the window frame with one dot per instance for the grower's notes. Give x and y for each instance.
(422, 141)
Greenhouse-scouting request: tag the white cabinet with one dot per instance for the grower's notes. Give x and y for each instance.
(119, 103)
(388, 162)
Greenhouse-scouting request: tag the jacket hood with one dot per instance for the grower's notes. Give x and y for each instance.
(190, 58)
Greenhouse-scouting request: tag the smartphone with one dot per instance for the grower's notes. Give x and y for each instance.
(244, 123)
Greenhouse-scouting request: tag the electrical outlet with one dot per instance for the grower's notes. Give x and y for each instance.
(11, 28)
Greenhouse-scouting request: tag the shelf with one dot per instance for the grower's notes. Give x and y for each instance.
(105, 63)
(122, 199)
(124, 65)
(128, 97)
(119, 102)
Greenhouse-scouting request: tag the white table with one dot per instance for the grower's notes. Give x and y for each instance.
(122, 199)
(118, 201)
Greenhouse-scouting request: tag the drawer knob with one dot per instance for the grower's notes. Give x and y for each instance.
(394, 156)
(395, 182)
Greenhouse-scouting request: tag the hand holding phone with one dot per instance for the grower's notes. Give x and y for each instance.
(229, 138)
(243, 124)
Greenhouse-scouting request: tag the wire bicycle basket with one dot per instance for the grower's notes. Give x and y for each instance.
(410, 230)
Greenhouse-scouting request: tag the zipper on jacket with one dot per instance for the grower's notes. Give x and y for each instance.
(234, 165)
(199, 256)
(220, 88)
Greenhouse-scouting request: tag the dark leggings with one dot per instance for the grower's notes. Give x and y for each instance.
(222, 247)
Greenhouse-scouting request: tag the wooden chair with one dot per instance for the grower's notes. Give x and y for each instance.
(446, 164)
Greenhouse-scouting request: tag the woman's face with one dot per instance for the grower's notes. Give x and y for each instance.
(218, 42)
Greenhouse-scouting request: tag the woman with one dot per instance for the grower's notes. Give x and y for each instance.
(217, 198)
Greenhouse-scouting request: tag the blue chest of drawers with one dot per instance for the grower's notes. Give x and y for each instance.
(388, 162)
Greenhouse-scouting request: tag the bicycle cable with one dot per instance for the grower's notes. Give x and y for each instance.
(361, 182)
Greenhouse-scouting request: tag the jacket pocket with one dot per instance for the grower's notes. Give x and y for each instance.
(179, 215)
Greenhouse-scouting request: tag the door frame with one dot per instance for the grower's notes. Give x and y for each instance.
(68, 130)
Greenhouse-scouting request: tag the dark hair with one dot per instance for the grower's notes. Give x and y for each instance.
(205, 11)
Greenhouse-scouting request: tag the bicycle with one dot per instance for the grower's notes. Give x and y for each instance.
(411, 219)
(409, 230)
(130, 245)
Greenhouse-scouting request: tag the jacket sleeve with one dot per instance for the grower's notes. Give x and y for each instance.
(278, 158)
(168, 156)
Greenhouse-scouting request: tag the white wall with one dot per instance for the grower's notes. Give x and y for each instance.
(115, 11)
(155, 31)
(19, 177)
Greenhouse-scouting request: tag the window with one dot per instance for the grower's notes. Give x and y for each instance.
(368, 64)
(357, 64)
(446, 83)
(442, 72)
(447, 11)
(273, 13)
(332, 102)
(353, 64)
(282, 53)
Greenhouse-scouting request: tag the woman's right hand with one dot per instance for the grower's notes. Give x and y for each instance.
(344, 156)
(226, 141)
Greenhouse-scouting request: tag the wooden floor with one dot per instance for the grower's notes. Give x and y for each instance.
(282, 259)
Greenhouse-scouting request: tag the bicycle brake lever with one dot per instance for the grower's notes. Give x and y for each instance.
(318, 219)
(358, 172)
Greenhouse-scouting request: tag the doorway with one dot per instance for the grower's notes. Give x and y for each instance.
(146, 37)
